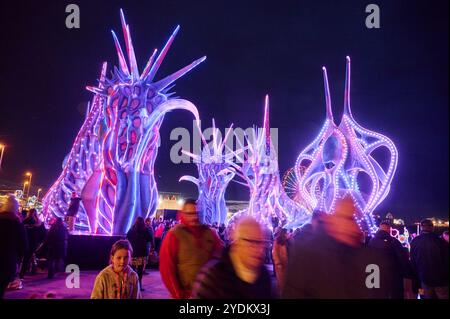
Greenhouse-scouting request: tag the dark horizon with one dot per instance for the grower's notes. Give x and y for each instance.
(399, 81)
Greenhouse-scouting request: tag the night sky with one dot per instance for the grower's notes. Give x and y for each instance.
(399, 80)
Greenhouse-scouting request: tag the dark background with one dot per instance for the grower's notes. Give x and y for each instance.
(399, 80)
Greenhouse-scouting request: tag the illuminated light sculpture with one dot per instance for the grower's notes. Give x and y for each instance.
(260, 173)
(215, 171)
(337, 157)
(81, 167)
(133, 111)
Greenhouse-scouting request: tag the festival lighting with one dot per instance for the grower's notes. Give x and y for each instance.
(261, 175)
(111, 163)
(338, 156)
(215, 171)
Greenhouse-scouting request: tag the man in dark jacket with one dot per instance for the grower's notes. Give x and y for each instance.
(55, 244)
(400, 273)
(240, 272)
(429, 256)
(13, 241)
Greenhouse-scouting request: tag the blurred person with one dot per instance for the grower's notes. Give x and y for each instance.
(429, 257)
(240, 272)
(185, 249)
(13, 241)
(333, 263)
(141, 239)
(118, 280)
(55, 246)
(400, 272)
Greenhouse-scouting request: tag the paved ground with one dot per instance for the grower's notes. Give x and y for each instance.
(38, 285)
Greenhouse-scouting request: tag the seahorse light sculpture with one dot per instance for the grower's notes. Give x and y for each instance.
(261, 174)
(133, 113)
(215, 171)
(337, 157)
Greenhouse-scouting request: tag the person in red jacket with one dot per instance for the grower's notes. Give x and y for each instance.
(185, 249)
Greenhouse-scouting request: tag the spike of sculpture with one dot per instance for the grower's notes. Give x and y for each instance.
(261, 174)
(133, 106)
(338, 156)
(215, 171)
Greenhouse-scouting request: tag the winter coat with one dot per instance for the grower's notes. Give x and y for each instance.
(13, 245)
(429, 256)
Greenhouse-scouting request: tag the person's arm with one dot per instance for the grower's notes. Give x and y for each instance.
(168, 266)
(98, 292)
(136, 293)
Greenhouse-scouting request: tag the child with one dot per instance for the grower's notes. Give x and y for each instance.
(118, 280)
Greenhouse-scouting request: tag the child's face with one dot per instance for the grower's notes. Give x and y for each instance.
(120, 259)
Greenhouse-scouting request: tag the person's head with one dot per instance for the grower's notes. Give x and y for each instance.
(189, 213)
(148, 221)
(445, 236)
(385, 225)
(426, 226)
(120, 255)
(74, 194)
(139, 223)
(249, 243)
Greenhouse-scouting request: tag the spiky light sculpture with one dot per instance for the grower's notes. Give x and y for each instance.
(133, 112)
(338, 156)
(261, 174)
(215, 171)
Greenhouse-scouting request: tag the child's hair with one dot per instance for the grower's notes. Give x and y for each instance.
(121, 244)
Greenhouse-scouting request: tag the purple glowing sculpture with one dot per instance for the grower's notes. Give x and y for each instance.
(338, 158)
(133, 111)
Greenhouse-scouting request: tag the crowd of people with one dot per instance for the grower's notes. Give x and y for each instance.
(330, 257)
(25, 240)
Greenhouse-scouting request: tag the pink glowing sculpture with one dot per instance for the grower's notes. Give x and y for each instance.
(338, 158)
(132, 107)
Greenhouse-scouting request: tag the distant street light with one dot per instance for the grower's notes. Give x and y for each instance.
(29, 182)
(24, 186)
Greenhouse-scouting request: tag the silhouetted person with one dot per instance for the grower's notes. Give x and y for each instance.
(13, 241)
(400, 272)
(429, 256)
(56, 246)
(36, 234)
(72, 211)
(141, 238)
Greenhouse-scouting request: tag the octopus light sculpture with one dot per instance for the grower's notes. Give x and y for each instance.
(215, 172)
(337, 159)
(133, 109)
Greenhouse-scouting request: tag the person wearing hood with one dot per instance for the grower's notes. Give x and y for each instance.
(13, 241)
